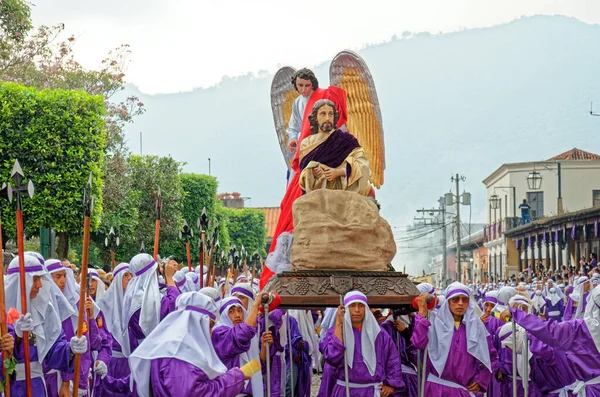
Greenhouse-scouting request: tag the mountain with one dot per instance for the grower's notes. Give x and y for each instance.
(463, 102)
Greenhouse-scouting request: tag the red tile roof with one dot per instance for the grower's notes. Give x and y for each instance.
(576, 154)
(271, 218)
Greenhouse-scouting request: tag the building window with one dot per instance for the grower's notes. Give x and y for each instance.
(596, 198)
(536, 201)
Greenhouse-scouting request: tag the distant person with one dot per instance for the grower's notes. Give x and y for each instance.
(524, 207)
(593, 261)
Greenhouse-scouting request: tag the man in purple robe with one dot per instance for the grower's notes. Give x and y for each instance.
(69, 326)
(236, 342)
(578, 299)
(400, 329)
(143, 305)
(111, 306)
(371, 358)
(48, 345)
(555, 305)
(276, 351)
(332, 159)
(178, 358)
(578, 339)
(298, 366)
(461, 357)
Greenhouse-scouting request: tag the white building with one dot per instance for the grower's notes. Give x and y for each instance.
(570, 180)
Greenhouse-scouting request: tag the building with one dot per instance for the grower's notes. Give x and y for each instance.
(555, 189)
(271, 218)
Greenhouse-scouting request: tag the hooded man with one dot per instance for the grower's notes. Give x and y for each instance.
(555, 305)
(178, 358)
(143, 304)
(236, 342)
(578, 299)
(461, 355)
(48, 345)
(371, 356)
(578, 339)
(111, 305)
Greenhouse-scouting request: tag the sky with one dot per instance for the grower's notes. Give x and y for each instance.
(179, 45)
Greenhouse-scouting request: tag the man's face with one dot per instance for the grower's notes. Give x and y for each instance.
(35, 288)
(125, 280)
(60, 279)
(357, 313)
(586, 287)
(93, 287)
(487, 308)
(244, 299)
(325, 116)
(304, 87)
(458, 305)
(236, 315)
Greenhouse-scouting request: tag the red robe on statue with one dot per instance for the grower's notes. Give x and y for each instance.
(286, 221)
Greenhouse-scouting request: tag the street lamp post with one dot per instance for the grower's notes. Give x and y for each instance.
(450, 200)
(534, 182)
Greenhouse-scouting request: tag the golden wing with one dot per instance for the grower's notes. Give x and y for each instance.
(283, 95)
(350, 72)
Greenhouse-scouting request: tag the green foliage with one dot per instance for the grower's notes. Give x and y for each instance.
(247, 227)
(59, 138)
(147, 174)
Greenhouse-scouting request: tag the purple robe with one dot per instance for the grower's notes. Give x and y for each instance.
(173, 377)
(571, 309)
(58, 357)
(327, 379)
(461, 367)
(555, 312)
(118, 369)
(571, 338)
(387, 370)
(276, 351)
(94, 344)
(407, 358)
(229, 343)
(300, 352)
(167, 305)
(333, 151)
(105, 355)
(549, 369)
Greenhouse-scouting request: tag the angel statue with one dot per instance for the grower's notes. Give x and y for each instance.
(347, 111)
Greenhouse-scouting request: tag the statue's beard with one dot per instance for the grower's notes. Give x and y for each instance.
(326, 126)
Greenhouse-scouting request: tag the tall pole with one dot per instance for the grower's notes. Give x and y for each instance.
(157, 224)
(444, 251)
(88, 201)
(458, 264)
(559, 204)
(18, 176)
(209, 166)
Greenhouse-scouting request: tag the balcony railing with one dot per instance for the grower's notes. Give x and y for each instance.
(497, 229)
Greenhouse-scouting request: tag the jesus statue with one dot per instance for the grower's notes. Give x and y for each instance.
(332, 159)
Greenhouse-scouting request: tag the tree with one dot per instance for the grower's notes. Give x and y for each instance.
(58, 137)
(147, 174)
(33, 57)
(247, 227)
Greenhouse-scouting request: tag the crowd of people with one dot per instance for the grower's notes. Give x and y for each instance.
(150, 330)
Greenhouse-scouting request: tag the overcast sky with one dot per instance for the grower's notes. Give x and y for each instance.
(179, 45)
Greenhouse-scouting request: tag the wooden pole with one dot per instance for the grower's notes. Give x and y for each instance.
(21, 251)
(82, 291)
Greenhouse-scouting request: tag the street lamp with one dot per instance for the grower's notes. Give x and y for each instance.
(495, 201)
(534, 180)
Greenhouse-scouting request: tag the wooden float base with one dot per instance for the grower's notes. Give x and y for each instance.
(320, 289)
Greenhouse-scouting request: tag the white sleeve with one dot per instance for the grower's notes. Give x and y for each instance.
(295, 124)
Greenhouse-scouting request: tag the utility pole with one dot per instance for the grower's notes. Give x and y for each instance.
(451, 199)
(442, 223)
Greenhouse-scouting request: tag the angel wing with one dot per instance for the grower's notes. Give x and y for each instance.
(350, 72)
(283, 95)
